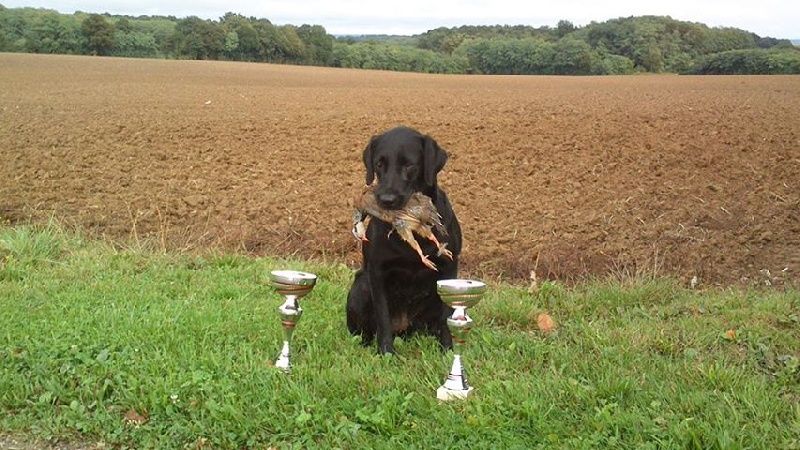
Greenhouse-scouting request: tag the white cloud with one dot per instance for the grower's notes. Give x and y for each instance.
(779, 18)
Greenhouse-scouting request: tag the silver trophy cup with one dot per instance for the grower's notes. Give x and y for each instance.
(460, 295)
(293, 285)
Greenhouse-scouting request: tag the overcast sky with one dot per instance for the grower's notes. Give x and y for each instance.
(777, 18)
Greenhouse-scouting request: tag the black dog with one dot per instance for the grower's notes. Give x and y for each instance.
(394, 293)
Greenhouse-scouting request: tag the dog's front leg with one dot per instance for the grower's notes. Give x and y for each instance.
(380, 304)
(442, 331)
(450, 270)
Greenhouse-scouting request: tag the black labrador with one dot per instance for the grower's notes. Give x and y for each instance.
(393, 293)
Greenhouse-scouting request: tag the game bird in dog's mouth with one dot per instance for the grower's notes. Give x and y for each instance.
(418, 216)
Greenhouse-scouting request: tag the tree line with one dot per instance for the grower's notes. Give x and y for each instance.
(232, 37)
(618, 46)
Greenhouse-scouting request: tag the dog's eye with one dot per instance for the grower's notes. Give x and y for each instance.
(410, 172)
(379, 165)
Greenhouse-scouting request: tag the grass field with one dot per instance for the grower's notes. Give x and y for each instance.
(182, 346)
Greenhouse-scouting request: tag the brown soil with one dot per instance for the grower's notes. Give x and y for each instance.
(683, 176)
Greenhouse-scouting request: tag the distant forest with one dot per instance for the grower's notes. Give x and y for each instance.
(619, 46)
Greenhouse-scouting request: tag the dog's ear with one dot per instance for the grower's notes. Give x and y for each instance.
(368, 160)
(434, 160)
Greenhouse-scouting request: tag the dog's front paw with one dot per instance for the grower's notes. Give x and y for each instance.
(445, 339)
(386, 349)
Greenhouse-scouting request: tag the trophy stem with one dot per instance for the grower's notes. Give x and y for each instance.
(283, 362)
(457, 379)
(290, 312)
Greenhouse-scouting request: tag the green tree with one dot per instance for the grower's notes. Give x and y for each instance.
(99, 34)
(372, 55)
(678, 62)
(508, 56)
(564, 28)
(231, 43)
(135, 44)
(318, 43)
(750, 61)
(123, 25)
(292, 47)
(196, 38)
(432, 40)
(247, 44)
(45, 31)
(724, 39)
(273, 42)
(279, 44)
(616, 65)
(572, 57)
(162, 30)
(651, 58)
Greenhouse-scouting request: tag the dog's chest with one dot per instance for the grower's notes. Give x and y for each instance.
(410, 290)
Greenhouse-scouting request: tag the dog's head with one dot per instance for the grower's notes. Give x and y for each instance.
(404, 161)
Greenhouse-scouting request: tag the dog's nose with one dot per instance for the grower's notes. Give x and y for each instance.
(389, 201)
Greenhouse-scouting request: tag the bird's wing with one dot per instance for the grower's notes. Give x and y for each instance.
(411, 220)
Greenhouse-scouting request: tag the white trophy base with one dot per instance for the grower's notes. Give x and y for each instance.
(284, 365)
(446, 394)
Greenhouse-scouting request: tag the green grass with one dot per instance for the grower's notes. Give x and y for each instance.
(89, 332)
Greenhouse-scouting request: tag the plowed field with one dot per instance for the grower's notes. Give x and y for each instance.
(682, 176)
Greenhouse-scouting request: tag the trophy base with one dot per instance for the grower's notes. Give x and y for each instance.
(283, 364)
(446, 394)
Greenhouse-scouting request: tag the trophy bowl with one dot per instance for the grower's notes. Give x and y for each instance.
(292, 282)
(466, 293)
